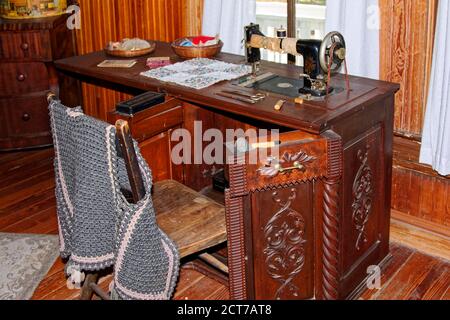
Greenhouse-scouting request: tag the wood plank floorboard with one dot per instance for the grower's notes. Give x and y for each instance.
(419, 268)
(399, 256)
(421, 240)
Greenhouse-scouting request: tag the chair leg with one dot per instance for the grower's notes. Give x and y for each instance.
(208, 270)
(213, 261)
(86, 290)
(219, 273)
(99, 292)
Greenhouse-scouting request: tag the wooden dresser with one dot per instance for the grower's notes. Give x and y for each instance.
(27, 51)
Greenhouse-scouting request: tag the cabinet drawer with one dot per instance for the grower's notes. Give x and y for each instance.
(19, 78)
(25, 116)
(30, 45)
(151, 126)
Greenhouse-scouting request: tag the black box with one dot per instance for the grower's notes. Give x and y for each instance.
(140, 103)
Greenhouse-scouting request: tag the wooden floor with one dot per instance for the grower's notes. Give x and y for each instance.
(420, 267)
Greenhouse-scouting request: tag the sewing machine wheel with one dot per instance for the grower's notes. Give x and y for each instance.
(333, 41)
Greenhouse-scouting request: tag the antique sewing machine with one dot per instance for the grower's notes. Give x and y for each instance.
(322, 59)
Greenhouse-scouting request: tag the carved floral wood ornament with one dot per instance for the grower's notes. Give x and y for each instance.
(310, 65)
(274, 166)
(284, 251)
(362, 194)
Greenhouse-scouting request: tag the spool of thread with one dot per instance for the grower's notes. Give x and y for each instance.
(289, 45)
(260, 42)
(281, 33)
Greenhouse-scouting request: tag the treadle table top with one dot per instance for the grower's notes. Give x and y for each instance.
(312, 116)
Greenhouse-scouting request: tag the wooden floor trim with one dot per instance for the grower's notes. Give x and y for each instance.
(421, 223)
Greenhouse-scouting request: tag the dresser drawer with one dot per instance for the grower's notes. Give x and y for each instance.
(25, 116)
(19, 78)
(30, 45)
(152, 126)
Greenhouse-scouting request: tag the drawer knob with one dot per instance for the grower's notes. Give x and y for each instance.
(21, 77)
(24, 46)
(26, 117)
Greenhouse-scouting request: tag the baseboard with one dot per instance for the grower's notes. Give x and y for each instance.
(421, 223)
(420, 239)
(418, 192)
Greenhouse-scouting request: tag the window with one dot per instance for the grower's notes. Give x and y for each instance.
(308, 17)
(271, 15)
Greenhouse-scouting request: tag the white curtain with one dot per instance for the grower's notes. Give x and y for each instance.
(228, 19)
(436, 133)
(359, 22)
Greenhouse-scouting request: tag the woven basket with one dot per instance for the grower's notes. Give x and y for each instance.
(196, 52)
(131, 53)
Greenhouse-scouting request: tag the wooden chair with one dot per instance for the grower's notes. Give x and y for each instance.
(194, 222)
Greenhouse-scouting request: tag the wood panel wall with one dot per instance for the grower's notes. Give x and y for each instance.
(420, 196)
(106, 20)
(193, 17)
(407, 39)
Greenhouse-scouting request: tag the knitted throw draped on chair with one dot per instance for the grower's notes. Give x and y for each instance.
(98, 227)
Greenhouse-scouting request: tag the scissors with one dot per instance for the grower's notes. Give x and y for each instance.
(255, 97)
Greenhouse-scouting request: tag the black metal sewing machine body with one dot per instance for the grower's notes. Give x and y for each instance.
(315, 77)
(310, 50)
(253, 54)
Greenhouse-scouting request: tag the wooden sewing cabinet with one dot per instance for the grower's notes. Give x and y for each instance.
(308, 234)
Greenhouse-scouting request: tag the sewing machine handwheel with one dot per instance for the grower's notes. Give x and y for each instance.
(336, 40)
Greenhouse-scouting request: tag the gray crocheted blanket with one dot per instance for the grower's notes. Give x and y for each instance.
(98, 227)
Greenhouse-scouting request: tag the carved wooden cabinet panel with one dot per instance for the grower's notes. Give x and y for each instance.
(365, 193)
(279, 227)
(362, 198)
(284, 251)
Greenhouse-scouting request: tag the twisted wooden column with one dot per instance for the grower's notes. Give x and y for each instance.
(331, 240)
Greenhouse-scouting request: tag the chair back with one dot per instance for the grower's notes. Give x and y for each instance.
(128, 153)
